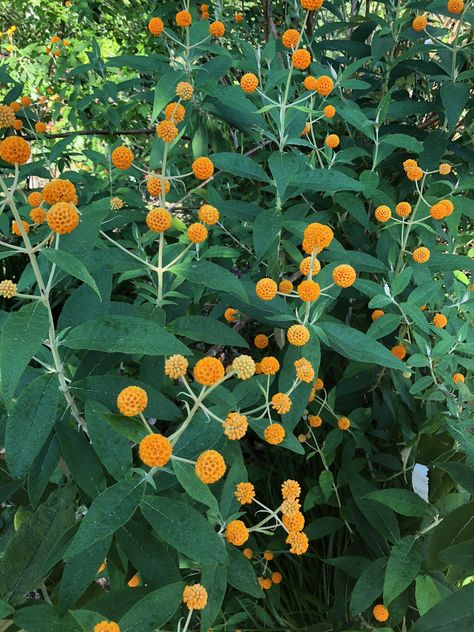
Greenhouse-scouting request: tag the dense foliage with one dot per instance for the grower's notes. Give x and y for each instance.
(236, 313)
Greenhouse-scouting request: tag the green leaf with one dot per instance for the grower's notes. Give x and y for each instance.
(214, 579)
(238, 165)
(368, 587)
(165, 90)
(5, 610)
(454, 97)
(38, 618)
(326, 482)
(114, 451)
(331, 181)
(461, 473)
(193, 486)
(184, 528)
(108, 512)
(384, 325)
(403, 566)
(124, 334)
(23, 562)
(30, 422)
(212, 276)
(72, 265)
(355, 345)
(454, 612)
(400, 282)
(241, 574)
(427, 593)
(205, 329)
(460, 555)
(457, 527)
(266, 229)
(154, 610)
(404, 141)
(151, 558)
(283, 168)
(22, 336)
(402, 501)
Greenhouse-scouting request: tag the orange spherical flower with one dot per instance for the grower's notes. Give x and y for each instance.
(231, 314)
(167, 131)
(122, 157)
(455, 6)
(403, 209)
(184, 91)
(306, 129)
(183, 18)
(208, 214)
(18, 124)
(301, 59)
(421, 255)
(298, 335)
(281, 403)
(59, 190)
(277, 577)
(290, 39)
(235, 426)
(107, 626)
(197, 233)
(290, 506)
(175, 112)
(344, 275)
(285, 286)
(377, 313)
(154, 186)
(132, 401)
(298, 542)
(155, 450)
(419, 23)
(25, 100)
(311, 5)
(208, 371)
(269, 365)
(15, 150)
(309, 290)
(415, 174)
(304, 370)
(261, 341)
(134, 581)
(332, 141)
(265, 583)
(35, 198)
(62, 218)
(440, 321)
(343, 423)
(176, 366)
(210, 466)
(16, 229)
(274, 434)
(317, 237)
(290, 489)
(380, 613)
(204, 8)
(7, 289)
(248, 553)
(238, 17)
(310, 83)
(217, 29)
(156, 26)
(305, 266)
(245, 493)
(437, 211)
(7, 116)
(244, 367)
(236, 533)
(158, 220)
(295, 522)
(204, 15)
(203, 168)
(444, 169)
(266, 289)
(15, 106)
(325, 85)
(195, 597)
(268, 555)
(448, 207)
(315, 421)
(399, 351)
(383, 213)
(249, 82)
(329, 111)
(38, 215)
(458, 377)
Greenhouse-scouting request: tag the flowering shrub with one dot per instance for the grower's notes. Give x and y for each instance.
(236, 335)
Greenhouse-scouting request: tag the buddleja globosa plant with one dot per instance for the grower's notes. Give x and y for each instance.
(236, 328)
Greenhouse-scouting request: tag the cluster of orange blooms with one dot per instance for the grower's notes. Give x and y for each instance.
(275, 577)
(56, 44)
(420, 22)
